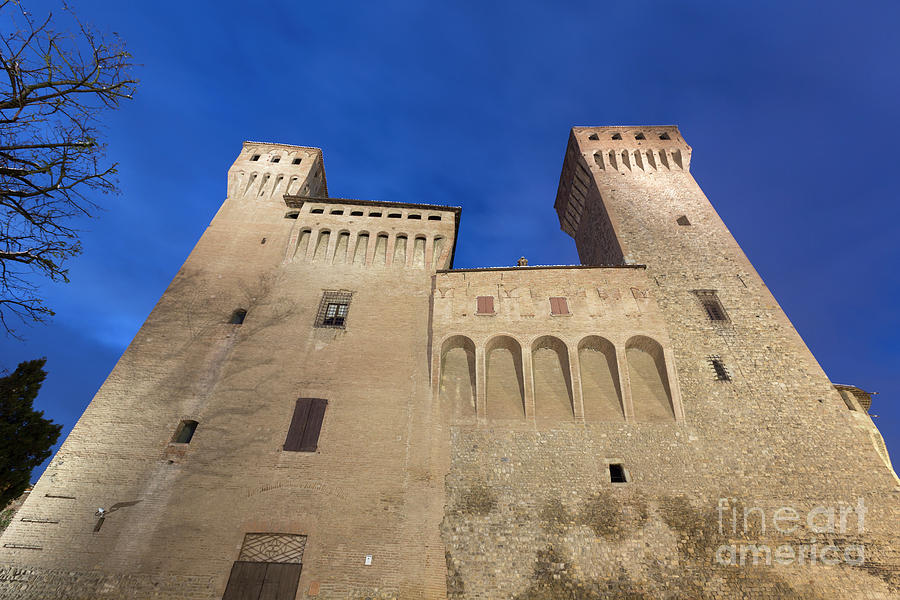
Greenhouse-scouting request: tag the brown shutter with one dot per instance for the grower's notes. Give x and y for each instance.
(298, 424)
(554, 307)
(489, 304)
(245, 581)
(563, 306)
(310, 438)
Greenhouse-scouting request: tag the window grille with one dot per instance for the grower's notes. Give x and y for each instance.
(333, 309)
(710, 301)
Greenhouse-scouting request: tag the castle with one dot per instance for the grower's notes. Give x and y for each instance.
(321, 406)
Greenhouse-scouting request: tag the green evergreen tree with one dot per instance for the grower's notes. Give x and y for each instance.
(25, 435)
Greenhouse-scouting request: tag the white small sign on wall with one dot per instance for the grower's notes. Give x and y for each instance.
(368, 559)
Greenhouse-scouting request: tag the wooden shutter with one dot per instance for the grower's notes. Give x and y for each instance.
(310, 438)
(245, 581)
(485, 304)
(298, 425)
(559, 306)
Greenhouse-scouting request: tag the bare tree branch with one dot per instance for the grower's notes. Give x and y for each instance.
(57, 86)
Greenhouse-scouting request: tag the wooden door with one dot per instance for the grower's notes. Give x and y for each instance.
(262, 581)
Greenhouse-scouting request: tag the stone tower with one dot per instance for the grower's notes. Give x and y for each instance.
(320, 406)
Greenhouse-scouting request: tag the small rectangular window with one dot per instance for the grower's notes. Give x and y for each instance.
(317, 211)
(374, 214)
(710, 301)
(485, 305)
(559, 306)
(255, 157)
(185, 432)
(414, 217)
(719, 368)
(333, 309)
(303, 434)
(296, 161)
(434, 217)
(617, 473)
(394, 215)
(276, 159)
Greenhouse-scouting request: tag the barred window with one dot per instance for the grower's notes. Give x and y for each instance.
(710, 301)
(333, 309)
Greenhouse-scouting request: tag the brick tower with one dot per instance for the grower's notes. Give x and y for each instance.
(320, 406)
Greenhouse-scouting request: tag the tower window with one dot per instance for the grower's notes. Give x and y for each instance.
(719, 368)
(333, 309)
(664, 136)
(710, 301)
(292, 215)
(374, 214)
(683, 220)
(185, 432)
(640, 136)
(593, 136)
(237, 317)
(356, 213)
(276, 159)
(414, 217)
(393, 215)
(255, 157)
(434, 217)
(306, 424)
(617, 473)
(317, 211)
(337, 212)
(296, 161)
(559, 306)
(484, 305)
(617, 136)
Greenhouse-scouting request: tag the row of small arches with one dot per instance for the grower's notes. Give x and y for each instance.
(592, 381)
(269, 185)
(618, 160)
(359, 249)
(359, 213)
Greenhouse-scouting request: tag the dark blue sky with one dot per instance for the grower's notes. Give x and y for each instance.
(791, 108)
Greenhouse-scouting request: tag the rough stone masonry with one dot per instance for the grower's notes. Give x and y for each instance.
(320, 406)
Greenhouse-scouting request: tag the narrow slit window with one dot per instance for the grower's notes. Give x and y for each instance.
(333, 310)
(337, 212)
(317, 211)
(434, 217)
(306, 425)
(237, 317)
(185, 432)
(719, 369)
(484, 305)
(419, 217)
(617, 473)
(559, 306)
(710, 302)
(374, 214)
(393, 215)
(356, 213)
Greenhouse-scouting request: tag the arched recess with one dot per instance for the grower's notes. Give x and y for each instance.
(381, 243)
(651, 395)
(552, 379)
(458, 376)
(362, 246)
(438, 250)
(322, 245)
(419, 252)
(400, 251)
(505, 389)
(340, 251)
(303, 243)
(600, 388)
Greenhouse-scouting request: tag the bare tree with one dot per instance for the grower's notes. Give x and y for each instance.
(52, 164)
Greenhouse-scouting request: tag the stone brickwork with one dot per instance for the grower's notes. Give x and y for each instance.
(593, 431)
